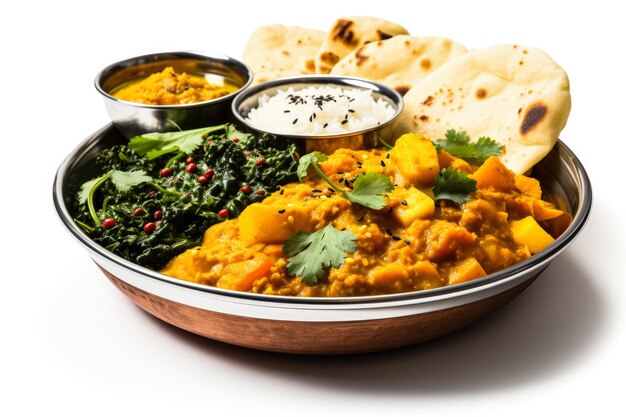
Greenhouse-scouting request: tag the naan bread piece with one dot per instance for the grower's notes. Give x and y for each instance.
(399, 62)
(276, 51)
(516, 95)
(347, 34)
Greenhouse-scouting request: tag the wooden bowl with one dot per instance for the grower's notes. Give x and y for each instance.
(324, 325)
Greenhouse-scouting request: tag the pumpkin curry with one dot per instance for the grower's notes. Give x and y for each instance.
(169, 87)
(421, 238)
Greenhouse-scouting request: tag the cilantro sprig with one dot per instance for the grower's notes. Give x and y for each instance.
(153, 145)
(454, 185)
(310, 254)
(458, 144)
(368, 190)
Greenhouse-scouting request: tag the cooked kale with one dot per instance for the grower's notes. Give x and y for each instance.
(187, 193)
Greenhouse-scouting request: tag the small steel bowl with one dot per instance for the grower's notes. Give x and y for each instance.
(323, 325)
(361, 139)
(135, 118)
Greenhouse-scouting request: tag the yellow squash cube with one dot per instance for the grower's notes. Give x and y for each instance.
(418, 205)
(262, 223)
(528, 232)
(465, 270)
(416, 159)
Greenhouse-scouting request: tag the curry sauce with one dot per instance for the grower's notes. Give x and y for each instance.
(169, 87)
(411, 244)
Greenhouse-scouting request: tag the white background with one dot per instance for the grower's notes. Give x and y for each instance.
(73, 345)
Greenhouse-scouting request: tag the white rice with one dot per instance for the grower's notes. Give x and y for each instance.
(320, 111)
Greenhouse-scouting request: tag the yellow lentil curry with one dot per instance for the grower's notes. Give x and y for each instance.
(411, 244)
(169, 88)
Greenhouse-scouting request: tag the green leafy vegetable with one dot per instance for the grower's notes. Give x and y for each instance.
(125, 180)
(459, 145)
(132, 190)
(311, 253)
(368, 190)
(87, 192)
(122, 180)
(86, 189)
(153, 145)
(231, 132)
(452, 184)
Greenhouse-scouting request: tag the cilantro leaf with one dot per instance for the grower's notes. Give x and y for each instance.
(231, 132)
(124, 180)
(453, 139)
(311, 253)
(369, 190)
(459, 145)
(452, 184)
(155, 144)
(87, 192)
(308, 159)
(86, 188)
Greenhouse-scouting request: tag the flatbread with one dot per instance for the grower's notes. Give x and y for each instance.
(516, 95)
(277, 51)
(347, 34)
(400, 61)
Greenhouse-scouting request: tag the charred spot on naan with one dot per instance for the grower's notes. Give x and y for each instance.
(533, 117)
(425, 64)
(402, 89)
(429, 101)
(341, 32)
(481, 93)
(329, 58)
(382, 35)
(360, 56)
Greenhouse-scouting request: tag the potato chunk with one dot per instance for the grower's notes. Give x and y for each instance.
(271, 224)
(416, 159)
(415, 205)
(528, 232)
(465, 270)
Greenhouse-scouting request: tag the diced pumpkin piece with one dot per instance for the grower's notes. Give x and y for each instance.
(272, 224)
(386, 275)
(416, 159)
(427, 274)
(449, 161)
(424, 269)
(415, 205)
(465, 270)
(399, 275)
(545, 211)
(491, 249)
(528, 186)
(255, 269)
(528, 232)
(493, 173)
